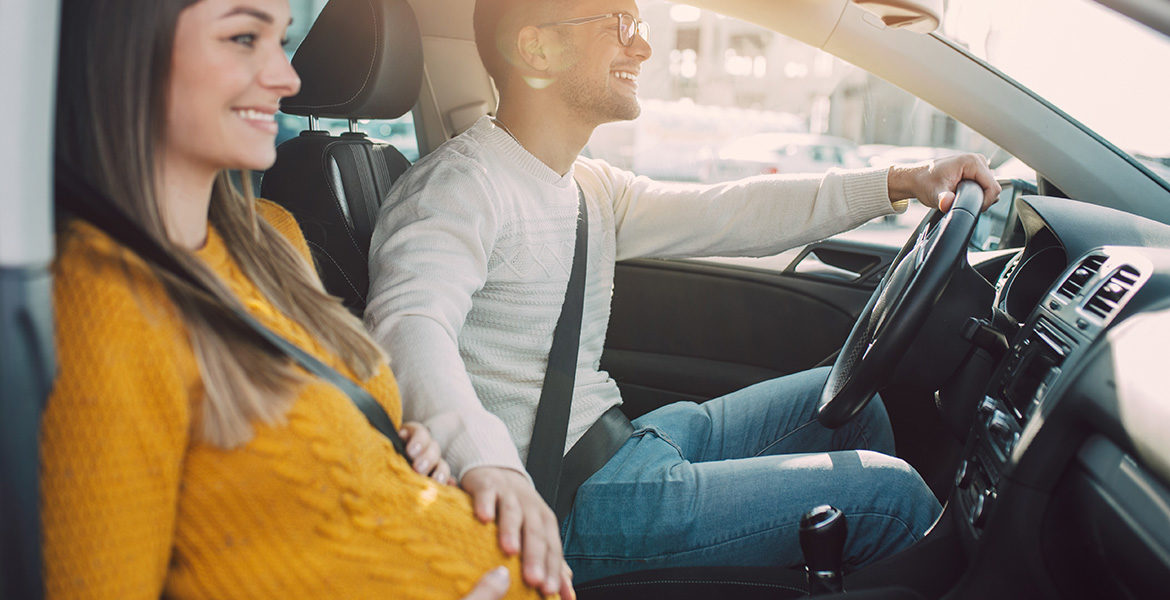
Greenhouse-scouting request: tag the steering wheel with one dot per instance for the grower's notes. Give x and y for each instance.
(898, 307)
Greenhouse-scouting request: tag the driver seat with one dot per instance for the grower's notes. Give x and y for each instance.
(362, 59)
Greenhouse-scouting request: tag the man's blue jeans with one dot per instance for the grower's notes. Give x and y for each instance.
(725, 483)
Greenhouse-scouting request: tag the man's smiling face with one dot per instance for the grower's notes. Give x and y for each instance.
(599, 80)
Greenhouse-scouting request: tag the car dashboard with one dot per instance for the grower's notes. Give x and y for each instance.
(1064, 485)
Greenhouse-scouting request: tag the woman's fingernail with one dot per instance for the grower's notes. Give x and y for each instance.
(499, 575)
(413, 449)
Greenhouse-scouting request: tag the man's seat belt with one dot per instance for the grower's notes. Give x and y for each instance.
(546, 452)
(557, 475)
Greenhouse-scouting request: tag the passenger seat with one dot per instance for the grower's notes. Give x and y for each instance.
(362, 59)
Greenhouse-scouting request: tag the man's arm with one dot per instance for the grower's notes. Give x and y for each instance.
(428, 256)
(765, 215)
(757, 216)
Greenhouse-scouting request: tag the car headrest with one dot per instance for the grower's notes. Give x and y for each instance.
(362, 59)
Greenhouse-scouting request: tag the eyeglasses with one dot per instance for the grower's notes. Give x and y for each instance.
(628, 26)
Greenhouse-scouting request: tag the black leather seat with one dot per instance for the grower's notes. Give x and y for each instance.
(362, 59)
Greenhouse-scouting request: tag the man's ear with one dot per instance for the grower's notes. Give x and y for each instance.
(531, 48)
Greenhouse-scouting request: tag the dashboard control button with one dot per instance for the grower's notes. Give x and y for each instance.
(1054, 305)
(982, 508)
(963, 476)
(999, 425)
(977, 510)
(1082, 324)
(987, 407)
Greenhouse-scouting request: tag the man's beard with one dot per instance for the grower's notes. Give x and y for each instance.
(597, 103)
(601, 105)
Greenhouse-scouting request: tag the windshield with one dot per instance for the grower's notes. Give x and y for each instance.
(1101, 68)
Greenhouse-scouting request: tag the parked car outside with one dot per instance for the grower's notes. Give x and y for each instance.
(772, 153)
(902, 155)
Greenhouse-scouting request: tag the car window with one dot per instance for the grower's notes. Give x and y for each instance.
(724, 99)
(1096, 67)
(397, 132)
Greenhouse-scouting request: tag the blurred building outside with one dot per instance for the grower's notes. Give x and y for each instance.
(713, 79)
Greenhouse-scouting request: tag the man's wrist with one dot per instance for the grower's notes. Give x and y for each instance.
(900, 184)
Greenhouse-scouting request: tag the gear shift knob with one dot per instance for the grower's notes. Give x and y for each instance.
(822, 540)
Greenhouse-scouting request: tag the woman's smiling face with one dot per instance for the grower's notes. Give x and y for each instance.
(228, 74)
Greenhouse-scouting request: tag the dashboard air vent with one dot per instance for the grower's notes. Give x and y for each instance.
(1108, 297)
(1076, 281)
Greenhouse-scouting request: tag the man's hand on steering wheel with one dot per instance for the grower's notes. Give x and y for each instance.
(914, 282)
(933, 182)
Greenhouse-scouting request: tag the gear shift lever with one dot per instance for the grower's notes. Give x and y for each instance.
(822, 540)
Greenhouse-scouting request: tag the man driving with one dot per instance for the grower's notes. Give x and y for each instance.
(470, 265)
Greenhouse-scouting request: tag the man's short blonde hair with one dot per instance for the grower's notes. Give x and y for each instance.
(498, 23)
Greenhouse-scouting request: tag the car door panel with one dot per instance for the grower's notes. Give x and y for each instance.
(695, 330)
(649, 379)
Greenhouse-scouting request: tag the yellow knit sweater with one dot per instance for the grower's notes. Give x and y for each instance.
(135, 507)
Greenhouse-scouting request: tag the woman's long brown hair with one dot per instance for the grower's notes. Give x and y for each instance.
(114, 65)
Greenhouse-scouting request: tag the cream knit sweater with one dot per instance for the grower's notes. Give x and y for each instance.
(470, 261)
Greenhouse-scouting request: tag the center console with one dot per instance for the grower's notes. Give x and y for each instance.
(1073, 312)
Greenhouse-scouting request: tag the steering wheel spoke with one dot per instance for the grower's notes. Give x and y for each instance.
(898, 307)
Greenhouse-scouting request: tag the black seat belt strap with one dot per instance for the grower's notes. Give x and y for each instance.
(110, 219)
(366, 403)
(547, 448)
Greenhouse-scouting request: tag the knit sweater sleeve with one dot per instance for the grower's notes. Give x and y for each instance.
(115, 429)
(428, 256)
(757, 216)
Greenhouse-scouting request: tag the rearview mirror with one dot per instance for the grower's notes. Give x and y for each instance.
(921, 16)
